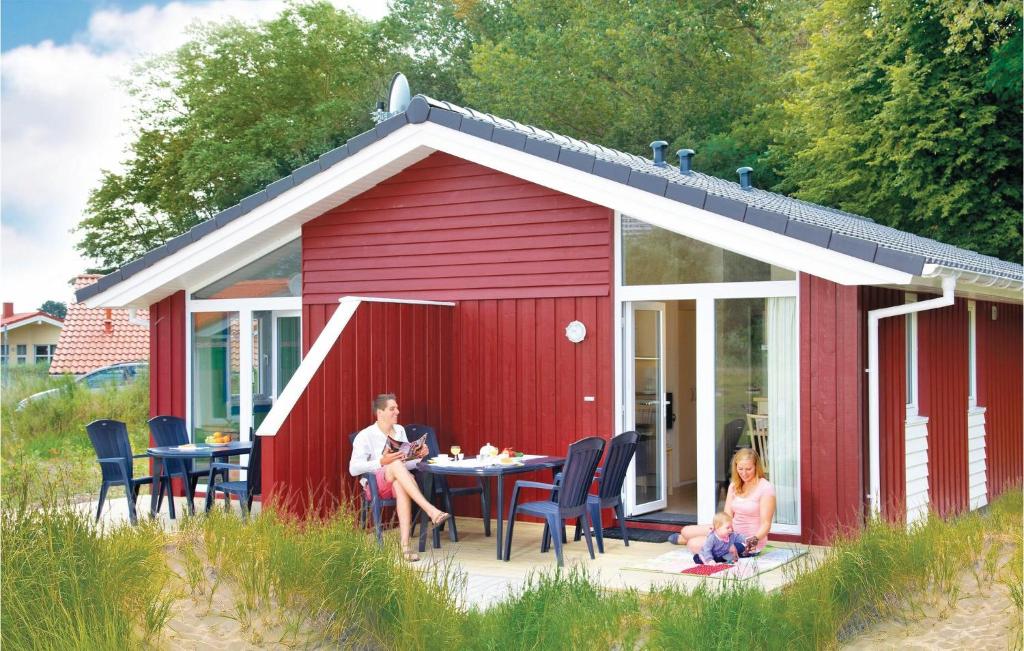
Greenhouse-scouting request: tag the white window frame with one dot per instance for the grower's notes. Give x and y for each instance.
(972, 354)
(910, 363)
(704, 296)
(21, 353)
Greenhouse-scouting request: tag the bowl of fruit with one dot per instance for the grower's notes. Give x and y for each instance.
(217, 439)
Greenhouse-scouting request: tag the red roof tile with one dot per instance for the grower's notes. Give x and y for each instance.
(87, 342)
(24, 316)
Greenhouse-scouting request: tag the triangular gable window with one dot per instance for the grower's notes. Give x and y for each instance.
(654, 256)
(279, 273)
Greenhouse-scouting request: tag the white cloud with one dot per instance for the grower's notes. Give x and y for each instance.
(65, 119)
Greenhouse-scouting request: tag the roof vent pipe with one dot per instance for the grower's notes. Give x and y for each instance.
(685, 158)
(745, 173)
(659, 147)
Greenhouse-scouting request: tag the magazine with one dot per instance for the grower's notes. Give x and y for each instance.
(409, 449)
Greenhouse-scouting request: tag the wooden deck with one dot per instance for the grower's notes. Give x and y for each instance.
(488, 580)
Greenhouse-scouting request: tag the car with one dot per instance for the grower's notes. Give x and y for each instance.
(115, 375)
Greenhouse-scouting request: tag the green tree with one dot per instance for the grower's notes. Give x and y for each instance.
(908, 111)
(702, 74)
(232, 110)
(54, 308)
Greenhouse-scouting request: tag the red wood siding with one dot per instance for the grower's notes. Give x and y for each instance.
(999, 372)
(449, 228)
(386, 348)
(521, 261)
(942, 365)
(167, 381)
(892, 347)
(831, 452)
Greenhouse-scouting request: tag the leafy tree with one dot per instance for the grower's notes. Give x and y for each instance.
(54, 308)
(701, 74)
(232, 110)
(908, 111)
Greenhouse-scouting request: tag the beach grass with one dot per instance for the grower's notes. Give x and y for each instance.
(67, 584)
(47, 437)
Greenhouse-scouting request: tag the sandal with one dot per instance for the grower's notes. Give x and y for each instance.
(410, 556)
(439, 519)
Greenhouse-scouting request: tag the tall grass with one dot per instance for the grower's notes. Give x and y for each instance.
(68, 585)
(47, 438)
(884, 571)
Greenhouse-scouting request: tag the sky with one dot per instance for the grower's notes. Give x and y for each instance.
(65, 117)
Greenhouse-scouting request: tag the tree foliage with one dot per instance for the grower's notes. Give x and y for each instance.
(54, 308)
(907, 111)
(234, 109)
(904, 111)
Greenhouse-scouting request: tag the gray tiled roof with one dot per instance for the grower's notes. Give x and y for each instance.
(826, 227)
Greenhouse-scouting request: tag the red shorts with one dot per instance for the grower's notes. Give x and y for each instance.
(384, 489)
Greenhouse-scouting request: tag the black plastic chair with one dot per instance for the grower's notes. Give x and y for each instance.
(114, 454)
(244, 489)
(445, 491)
(169, 431)
(568, 502)
(610, 477)
(374, 504)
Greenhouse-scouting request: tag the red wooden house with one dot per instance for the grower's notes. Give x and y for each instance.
(713, 314)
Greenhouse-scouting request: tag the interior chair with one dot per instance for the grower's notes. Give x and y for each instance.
(171, 431)
(114, 454)
(445, 491)
(610, 477)
(243, 489)
(731, 434)
(374, 504)
(758, 426)
(568, 502)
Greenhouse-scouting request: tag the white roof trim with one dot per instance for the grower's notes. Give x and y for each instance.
(284, 215)
(318, 353)
(33, 320)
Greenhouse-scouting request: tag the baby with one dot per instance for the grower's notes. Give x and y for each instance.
(723, 545)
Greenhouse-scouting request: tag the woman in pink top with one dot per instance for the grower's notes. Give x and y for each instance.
(750, 502)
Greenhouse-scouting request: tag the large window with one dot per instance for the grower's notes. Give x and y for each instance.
(276, 274)
(22, 357)
(215, 373)
(654, 256)
(44, 353)
(756, 392)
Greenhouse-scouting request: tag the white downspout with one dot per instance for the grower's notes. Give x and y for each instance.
(874, 316)
(135, 320)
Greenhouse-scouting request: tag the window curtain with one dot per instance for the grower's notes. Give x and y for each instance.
(783, 427)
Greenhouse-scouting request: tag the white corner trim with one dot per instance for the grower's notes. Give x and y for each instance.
(977, 466)
(317, 354)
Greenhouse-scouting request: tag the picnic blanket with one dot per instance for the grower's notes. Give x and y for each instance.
(680, 561)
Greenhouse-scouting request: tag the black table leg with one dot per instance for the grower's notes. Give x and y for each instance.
(188, 488)
(501, 511)
(158, 485)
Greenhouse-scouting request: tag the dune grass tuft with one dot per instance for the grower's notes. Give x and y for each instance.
(66, 584)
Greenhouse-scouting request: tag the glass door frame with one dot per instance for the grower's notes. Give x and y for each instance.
(629, 339)
(283, 306)
(704, 295)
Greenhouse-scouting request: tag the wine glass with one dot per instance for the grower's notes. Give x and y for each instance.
(456, 451)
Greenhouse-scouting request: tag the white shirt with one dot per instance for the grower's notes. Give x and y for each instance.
(368, 446)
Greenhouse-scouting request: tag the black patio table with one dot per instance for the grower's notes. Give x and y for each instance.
(171, 458)
(471, 468)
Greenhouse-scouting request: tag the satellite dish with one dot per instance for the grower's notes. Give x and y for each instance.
(398, 97)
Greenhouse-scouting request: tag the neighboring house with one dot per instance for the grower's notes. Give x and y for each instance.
(97, 337)
(28, 337)
(488, 244)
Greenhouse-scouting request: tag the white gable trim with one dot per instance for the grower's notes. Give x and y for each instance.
(33, 320)
(316, 356)
(285, 214)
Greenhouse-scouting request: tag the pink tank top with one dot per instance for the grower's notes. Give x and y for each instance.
(746, 510)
